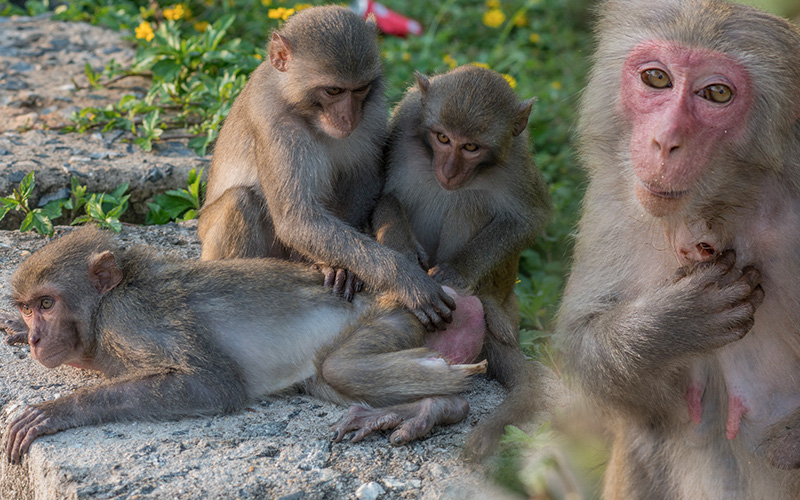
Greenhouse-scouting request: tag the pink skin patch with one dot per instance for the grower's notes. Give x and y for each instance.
(736, 409)
(462, 341)
(694, 396)
(678, 127)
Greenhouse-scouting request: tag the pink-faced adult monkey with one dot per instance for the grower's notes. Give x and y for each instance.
(297, 168)
(179, 337)
(680, 318)
(464, 198)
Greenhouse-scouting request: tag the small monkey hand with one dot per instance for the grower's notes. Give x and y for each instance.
(15, 328)
(426, 299)
(33, 422)
(716, 302)
(344, 283)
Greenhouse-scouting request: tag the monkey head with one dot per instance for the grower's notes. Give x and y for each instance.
(330, 62)
(686, 107)
(57, 290)
(470, 116)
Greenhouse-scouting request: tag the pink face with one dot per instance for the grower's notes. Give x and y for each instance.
(686, 105)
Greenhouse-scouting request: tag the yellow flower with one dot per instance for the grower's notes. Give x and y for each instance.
(520, 20)
(450, 61)
(302, 6)
(266, 3)
(493, 18)
(493, 4)
(280, 13)
(174, 13)
(259, 57)
(201, 26)
(145, 31)
(534, 38)
(511, 80)
(406, 56)
(480, 65)
(556, 85)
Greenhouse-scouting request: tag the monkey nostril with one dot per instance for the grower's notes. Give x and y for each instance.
(34, 340)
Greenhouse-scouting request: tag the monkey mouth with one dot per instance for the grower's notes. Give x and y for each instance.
(47, 360)
(662, 193)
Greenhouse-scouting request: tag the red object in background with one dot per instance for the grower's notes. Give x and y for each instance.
(389, 21)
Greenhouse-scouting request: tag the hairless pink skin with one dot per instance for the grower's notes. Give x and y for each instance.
(677, 128)
(462, 341)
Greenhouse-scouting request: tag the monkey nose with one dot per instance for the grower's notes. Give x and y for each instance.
(33, 340)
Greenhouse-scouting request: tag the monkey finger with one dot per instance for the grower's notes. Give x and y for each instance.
(340, 280)
(359, 286)
(350, 287)
(751, 276)
(17, 338)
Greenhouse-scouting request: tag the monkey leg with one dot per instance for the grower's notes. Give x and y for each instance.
(410, 421)
(237, 225)
(510, 367)
(379, 360)
(781, 446)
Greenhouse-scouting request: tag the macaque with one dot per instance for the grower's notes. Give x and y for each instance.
(680, 317)
(462, 199)
(297, 168)
(179, 338)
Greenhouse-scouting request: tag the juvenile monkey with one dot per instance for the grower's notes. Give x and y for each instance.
(463, 199)
(297, 167)
(680, 316)
(178, 338)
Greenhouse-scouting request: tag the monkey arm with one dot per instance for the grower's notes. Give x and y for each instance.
(302, 222)
(630, 348)
(393, 230)
(140, 397)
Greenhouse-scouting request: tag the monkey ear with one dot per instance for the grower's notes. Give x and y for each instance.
(372, 22)
(523, 113)
(280, 52)
(104, 273)
(422, 82)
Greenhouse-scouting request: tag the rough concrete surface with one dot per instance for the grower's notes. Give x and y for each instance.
(277, 448)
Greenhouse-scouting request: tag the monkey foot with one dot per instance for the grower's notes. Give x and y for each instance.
(474, 368)
(410, 421)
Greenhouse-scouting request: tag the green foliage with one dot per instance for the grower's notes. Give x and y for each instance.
(177, 205)
(37, 219)
(103, 209)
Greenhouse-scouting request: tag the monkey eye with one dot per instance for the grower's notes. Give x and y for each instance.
(333, 90)
(26, 310)
(47, 303)
(717, 93)
(442, 138)
(362, 90)
(471, 146)
(656, 78)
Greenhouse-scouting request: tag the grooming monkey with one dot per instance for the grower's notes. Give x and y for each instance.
(297, 167)
(179, 338)
(463, 199)
(680, 318)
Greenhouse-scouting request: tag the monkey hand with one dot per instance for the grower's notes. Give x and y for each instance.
(15, 328)
(716, 300)
(344, 283)
(426, 299)
(446, 275)
(33, 422)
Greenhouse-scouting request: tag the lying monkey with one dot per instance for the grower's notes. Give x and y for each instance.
(179, 338)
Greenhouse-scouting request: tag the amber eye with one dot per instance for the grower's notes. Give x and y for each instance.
(471, 147)
(656, 78)
(333, 90)
(442, 138)
(717, 93)
(26, 310)
(47, 303)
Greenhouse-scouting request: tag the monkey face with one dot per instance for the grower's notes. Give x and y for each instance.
(686, 107)
(455, 158)
(52, 334)
(341, 109)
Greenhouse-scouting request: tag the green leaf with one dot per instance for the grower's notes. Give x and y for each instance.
(26, 187)
(27, 223)
(41, 223)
